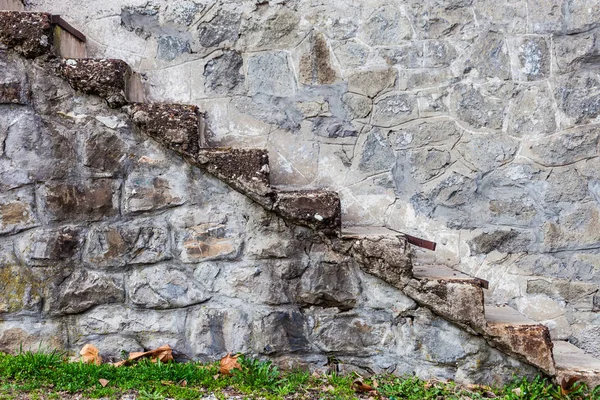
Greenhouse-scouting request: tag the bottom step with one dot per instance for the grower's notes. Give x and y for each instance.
(572, 362)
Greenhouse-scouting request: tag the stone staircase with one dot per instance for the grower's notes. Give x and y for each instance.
(379, 251)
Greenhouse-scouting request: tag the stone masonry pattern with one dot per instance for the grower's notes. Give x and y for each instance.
(460, 121)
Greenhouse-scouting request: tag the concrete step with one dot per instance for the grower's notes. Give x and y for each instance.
(358, 232)
(515, 334)
(572, 362)
(317, 209)
(442, 272)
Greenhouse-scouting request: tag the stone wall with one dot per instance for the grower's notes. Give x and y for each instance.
(108, 238)
(468, 123)
(465, 122)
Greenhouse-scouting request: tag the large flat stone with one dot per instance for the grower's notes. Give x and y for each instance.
(519, 336)
(572, 362)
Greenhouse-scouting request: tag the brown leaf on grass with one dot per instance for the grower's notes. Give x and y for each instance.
(375, 384)
(229, 363)
(361, 387)
(183, 383)
(162, 354)
(103, 382)
(90, 354)
(568, 386)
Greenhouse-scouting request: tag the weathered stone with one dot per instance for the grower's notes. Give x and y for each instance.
(510, 18)
(531, 60)
(377, 154)
(331, 127)
(450, 19)
(351, 54)
(523, 338)
(142, 20)
(281, 332)
(315, 66)
(30, 34)
(104, 152)
(421, 165)
(489, 56)
(530, 114)
(572, 52)
(566, 147)
(223, 74)
(86, 201)
(577, 98)
(20, 290)
(385, 257)
(17, 211)
(124, 244)
(270, 74)
(438, 53)
(148, 188)
(372, 82)
(357, 106)
(457, 300)
(207, 241)
(46, 247)
(580, 16)
(587, 340)
(502, 241)
(545, 16)
(352, 332)
(487, 152)
(438, 132)
(320, 210)
(102, 77)
(83, 290)
(393, 109)
(14, 84)
(575, 228)
(246, 170)
(272, 28)
(566, 185)
(564, 290)
(162, 288)
(329, 284)
(385, 26)
(170, 47)
(214, 331)
(409, 55)
(31, 335)
(474, 107)
(223, 27)
(176, 126)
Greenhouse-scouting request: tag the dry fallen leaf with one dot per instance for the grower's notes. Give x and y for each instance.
(361, 387)
(90, 355)
(229, 363)
(567, 386)
(516, 391)
(103, 382)
(162, 354)
(183, 383)
(375, 384)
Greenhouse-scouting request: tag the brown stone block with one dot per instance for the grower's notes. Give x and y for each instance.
(104, 152)
(177, 126)
(208, 241)
(52, 246)
(85, 201)
(17, 211)
(317, 209)
(29, 34)
(31, 335)
(102, 77)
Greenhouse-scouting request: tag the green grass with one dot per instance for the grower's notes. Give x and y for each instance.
(48, 375)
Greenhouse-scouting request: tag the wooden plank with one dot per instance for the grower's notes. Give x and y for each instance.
(67, 45)
(57, 20)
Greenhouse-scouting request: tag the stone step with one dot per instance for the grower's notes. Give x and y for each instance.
(12, 5)
(515, 334)
(29, 34)
(572, 362)
(442, 272)
(246, 170)
(106, 78)
(358, 232)
(450, 294)
(176, 126)
(317, 209)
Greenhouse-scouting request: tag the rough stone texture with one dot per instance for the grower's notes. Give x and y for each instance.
(103, 77)
(318, 209)
(30, 34)
(522, 75)
(176, 126)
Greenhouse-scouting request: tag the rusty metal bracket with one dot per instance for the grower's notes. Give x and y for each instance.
(57, 20)
(426, 244)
